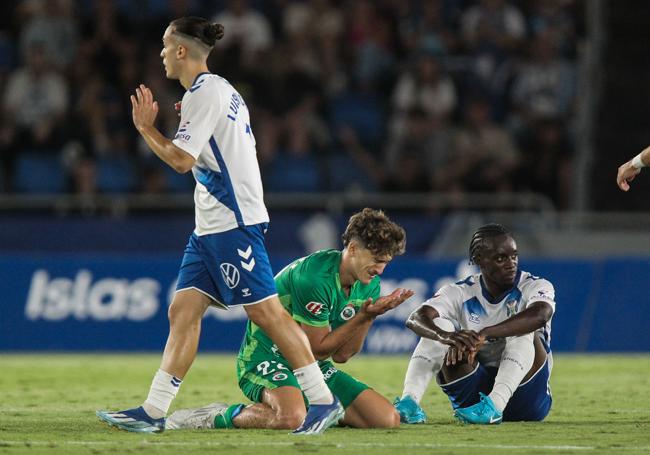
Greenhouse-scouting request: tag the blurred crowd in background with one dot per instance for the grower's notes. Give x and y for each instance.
(354, 95)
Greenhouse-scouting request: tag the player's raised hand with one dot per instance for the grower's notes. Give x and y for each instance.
(626, 173)
(145, 109)
(387, 302)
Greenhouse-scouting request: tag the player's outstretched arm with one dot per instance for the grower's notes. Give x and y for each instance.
(144, 111)
(421, 322)
(382, 305)
(627, 171)
(324, 343)
(532, 318)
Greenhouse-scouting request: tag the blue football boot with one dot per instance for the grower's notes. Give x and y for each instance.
(483, 413)
(135, 420)
(320, 417)
(409, 411)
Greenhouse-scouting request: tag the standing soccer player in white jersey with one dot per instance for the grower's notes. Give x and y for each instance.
(486, 339)
(225, 261)
(630, 169)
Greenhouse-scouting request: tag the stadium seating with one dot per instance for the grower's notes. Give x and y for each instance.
(39, 172)
(115, 175)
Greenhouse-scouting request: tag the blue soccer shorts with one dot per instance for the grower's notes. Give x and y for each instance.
(531, 401)
(232, 267)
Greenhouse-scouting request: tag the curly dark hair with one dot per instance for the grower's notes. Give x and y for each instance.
(477, 244)
(375, 231)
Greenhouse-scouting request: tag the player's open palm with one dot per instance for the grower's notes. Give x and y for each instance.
(145, 109)
(387, 302)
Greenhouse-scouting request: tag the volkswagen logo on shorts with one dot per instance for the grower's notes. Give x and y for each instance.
(230, 274)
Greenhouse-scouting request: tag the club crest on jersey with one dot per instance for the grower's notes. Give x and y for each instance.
(314, 308)
(230, 274)
(348, 312)
(511, 307)
(473, 317)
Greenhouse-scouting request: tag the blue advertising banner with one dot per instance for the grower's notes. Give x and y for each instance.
(104, 302)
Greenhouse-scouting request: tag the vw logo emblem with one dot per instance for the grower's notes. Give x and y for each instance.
(230, 274)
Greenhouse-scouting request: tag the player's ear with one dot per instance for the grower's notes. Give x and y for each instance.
(181, 51)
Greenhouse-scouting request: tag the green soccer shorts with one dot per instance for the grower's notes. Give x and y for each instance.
(271, 372)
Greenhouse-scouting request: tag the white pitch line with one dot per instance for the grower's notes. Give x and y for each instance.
(302, 442)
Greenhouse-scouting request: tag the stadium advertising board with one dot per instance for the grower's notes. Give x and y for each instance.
(103, 302)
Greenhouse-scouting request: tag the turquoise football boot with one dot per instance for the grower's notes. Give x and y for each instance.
(483, 413)
(409, 411)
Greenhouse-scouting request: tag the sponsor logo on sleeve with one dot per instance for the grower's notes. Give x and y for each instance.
(314, 308)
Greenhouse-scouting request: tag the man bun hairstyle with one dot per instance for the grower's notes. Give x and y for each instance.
(376, 232)
(198, 28)
(486, 231)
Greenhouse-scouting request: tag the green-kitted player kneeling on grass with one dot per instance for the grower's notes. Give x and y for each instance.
(334, 296)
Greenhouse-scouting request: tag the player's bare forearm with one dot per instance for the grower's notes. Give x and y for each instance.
(165, 149)
(421, 322)
(353, 345)
(529, 320)
(325, 343)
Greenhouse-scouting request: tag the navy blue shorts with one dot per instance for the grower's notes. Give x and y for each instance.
(232, 267)
(531, 401)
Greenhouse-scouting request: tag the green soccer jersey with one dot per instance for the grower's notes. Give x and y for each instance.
(310, 290)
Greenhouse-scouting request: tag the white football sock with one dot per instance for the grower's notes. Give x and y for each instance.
(313, 385)
(516, 361)
(164, 388)
(426, 361)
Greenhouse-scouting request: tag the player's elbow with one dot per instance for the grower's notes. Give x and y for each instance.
(182, 162)
(182, 166)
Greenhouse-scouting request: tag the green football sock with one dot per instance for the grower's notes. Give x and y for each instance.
(225, 420)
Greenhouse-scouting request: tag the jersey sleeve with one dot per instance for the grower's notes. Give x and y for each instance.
(310, 303)
(447, 302)
(200, 111)
(540, 290)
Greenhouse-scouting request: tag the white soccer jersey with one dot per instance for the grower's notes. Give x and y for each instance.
(468, 305)
(215, 129)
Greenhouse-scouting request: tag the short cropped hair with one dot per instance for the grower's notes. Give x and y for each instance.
(477, 244)
(376, 232)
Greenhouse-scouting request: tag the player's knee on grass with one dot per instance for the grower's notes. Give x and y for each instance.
(289, 419)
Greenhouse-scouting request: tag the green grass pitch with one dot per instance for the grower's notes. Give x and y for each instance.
(48, 402)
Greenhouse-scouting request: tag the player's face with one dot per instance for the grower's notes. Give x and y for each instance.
(168, 54)
(368, 265)
(499, 261)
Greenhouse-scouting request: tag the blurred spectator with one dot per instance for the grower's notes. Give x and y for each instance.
(107, 39)
(246, 31)
(544, 86)
(553, 17)
(426, 87)
(484, 154)
(53, 26)
(423, 28)
(34, 103)
(295, 167)
(547, 162)
(493, 32)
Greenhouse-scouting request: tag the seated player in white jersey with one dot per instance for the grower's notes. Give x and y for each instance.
(225, 261)
(486, 339)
